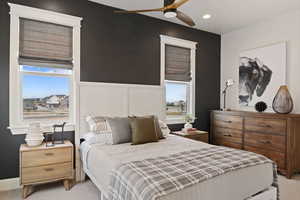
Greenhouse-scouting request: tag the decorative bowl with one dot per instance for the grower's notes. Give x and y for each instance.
(34, 142)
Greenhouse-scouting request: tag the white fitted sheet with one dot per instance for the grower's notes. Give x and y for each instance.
(100, 159)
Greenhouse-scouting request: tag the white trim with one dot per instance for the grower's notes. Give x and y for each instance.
(10, 184)
(186, 44)
(178, 42)
(18, 11)
(97, 84)
(17, 126)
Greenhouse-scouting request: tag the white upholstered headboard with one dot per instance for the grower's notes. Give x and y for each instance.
(105, 99)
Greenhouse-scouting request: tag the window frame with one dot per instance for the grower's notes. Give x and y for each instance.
(16, 123)
(167, 40)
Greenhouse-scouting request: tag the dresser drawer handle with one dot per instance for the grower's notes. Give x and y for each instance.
(229, 121)
(227, 135)
(49, 169)
(266, 142)
(49, 154)
(267, 125)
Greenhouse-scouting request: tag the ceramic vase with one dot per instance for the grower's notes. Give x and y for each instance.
(283, 102)
(34, 136)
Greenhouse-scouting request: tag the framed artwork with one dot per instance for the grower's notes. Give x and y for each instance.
(261, 72)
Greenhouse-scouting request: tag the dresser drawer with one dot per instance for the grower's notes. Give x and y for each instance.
(266, 141)
(277, 157)
(227, 143)
(228, 133)
(274, 126)
(45, 157)
(45, 173)
(228, 121)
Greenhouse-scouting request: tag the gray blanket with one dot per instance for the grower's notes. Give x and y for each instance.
(152, 178)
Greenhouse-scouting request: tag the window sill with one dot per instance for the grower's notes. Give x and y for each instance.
(175, 121)
(19, 130)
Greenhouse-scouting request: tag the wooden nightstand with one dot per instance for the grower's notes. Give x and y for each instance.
(43, 164)
(201, 136)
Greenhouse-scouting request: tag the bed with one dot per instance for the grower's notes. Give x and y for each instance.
(99, 160)
(253, 182)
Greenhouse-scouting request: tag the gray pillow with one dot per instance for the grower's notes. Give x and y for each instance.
(121, 130)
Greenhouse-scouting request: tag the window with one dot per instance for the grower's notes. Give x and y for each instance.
(46, 93)
(176, 99)
(44, 67)
(178, 78)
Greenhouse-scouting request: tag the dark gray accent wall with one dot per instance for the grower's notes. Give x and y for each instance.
(116, 49)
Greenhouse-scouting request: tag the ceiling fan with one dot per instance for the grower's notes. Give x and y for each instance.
(169, 10)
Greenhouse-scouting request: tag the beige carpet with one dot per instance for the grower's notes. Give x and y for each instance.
(289, 190)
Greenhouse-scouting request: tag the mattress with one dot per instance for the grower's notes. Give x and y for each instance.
(100, 159)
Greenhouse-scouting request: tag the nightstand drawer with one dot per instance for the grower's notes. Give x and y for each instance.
(199, 137)
(46, 157)
(44, 173)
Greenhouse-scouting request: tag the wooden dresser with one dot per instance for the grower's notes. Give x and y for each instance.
(45, 164)
(273, 135)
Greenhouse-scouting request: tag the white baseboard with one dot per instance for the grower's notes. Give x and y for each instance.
(9, 184)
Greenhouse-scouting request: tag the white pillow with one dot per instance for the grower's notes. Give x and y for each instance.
(164, 128)
(95, 138)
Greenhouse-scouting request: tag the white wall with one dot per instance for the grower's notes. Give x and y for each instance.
(282, 28)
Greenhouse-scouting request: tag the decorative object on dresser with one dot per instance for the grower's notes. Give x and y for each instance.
(34, 136)
(194, 135)
(228, 84)
(261, 106)
(45, 164)
(274, 135)
(283, 102)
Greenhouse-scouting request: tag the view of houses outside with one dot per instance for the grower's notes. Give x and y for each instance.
(176, 100)
(45, 94)
(51, 106)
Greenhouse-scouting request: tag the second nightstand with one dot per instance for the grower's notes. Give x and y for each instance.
(195, 135)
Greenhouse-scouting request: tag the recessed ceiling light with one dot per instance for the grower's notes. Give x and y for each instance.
(206, 16)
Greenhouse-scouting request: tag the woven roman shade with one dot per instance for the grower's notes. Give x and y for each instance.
(45, 45)
(178, 64)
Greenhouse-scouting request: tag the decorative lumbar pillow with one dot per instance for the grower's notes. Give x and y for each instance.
(143, 130)
(121, 130)
(98, 124)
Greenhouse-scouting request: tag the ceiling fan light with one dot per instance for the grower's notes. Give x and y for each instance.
(170, 13)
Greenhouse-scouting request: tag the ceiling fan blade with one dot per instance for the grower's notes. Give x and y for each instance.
(178, 3)
(139, 11)
(186, 19)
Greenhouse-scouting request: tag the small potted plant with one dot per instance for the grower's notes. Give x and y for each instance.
(189, 119)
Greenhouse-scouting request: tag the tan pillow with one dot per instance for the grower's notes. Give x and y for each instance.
(143, 130)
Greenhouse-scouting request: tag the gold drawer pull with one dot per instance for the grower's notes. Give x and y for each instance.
(267, 125)
(266, 142)
(49, 169)
(49, 154)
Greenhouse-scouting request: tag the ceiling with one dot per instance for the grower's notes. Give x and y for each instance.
(227, 15)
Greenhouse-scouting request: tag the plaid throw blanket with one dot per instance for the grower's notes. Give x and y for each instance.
(152, 178)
